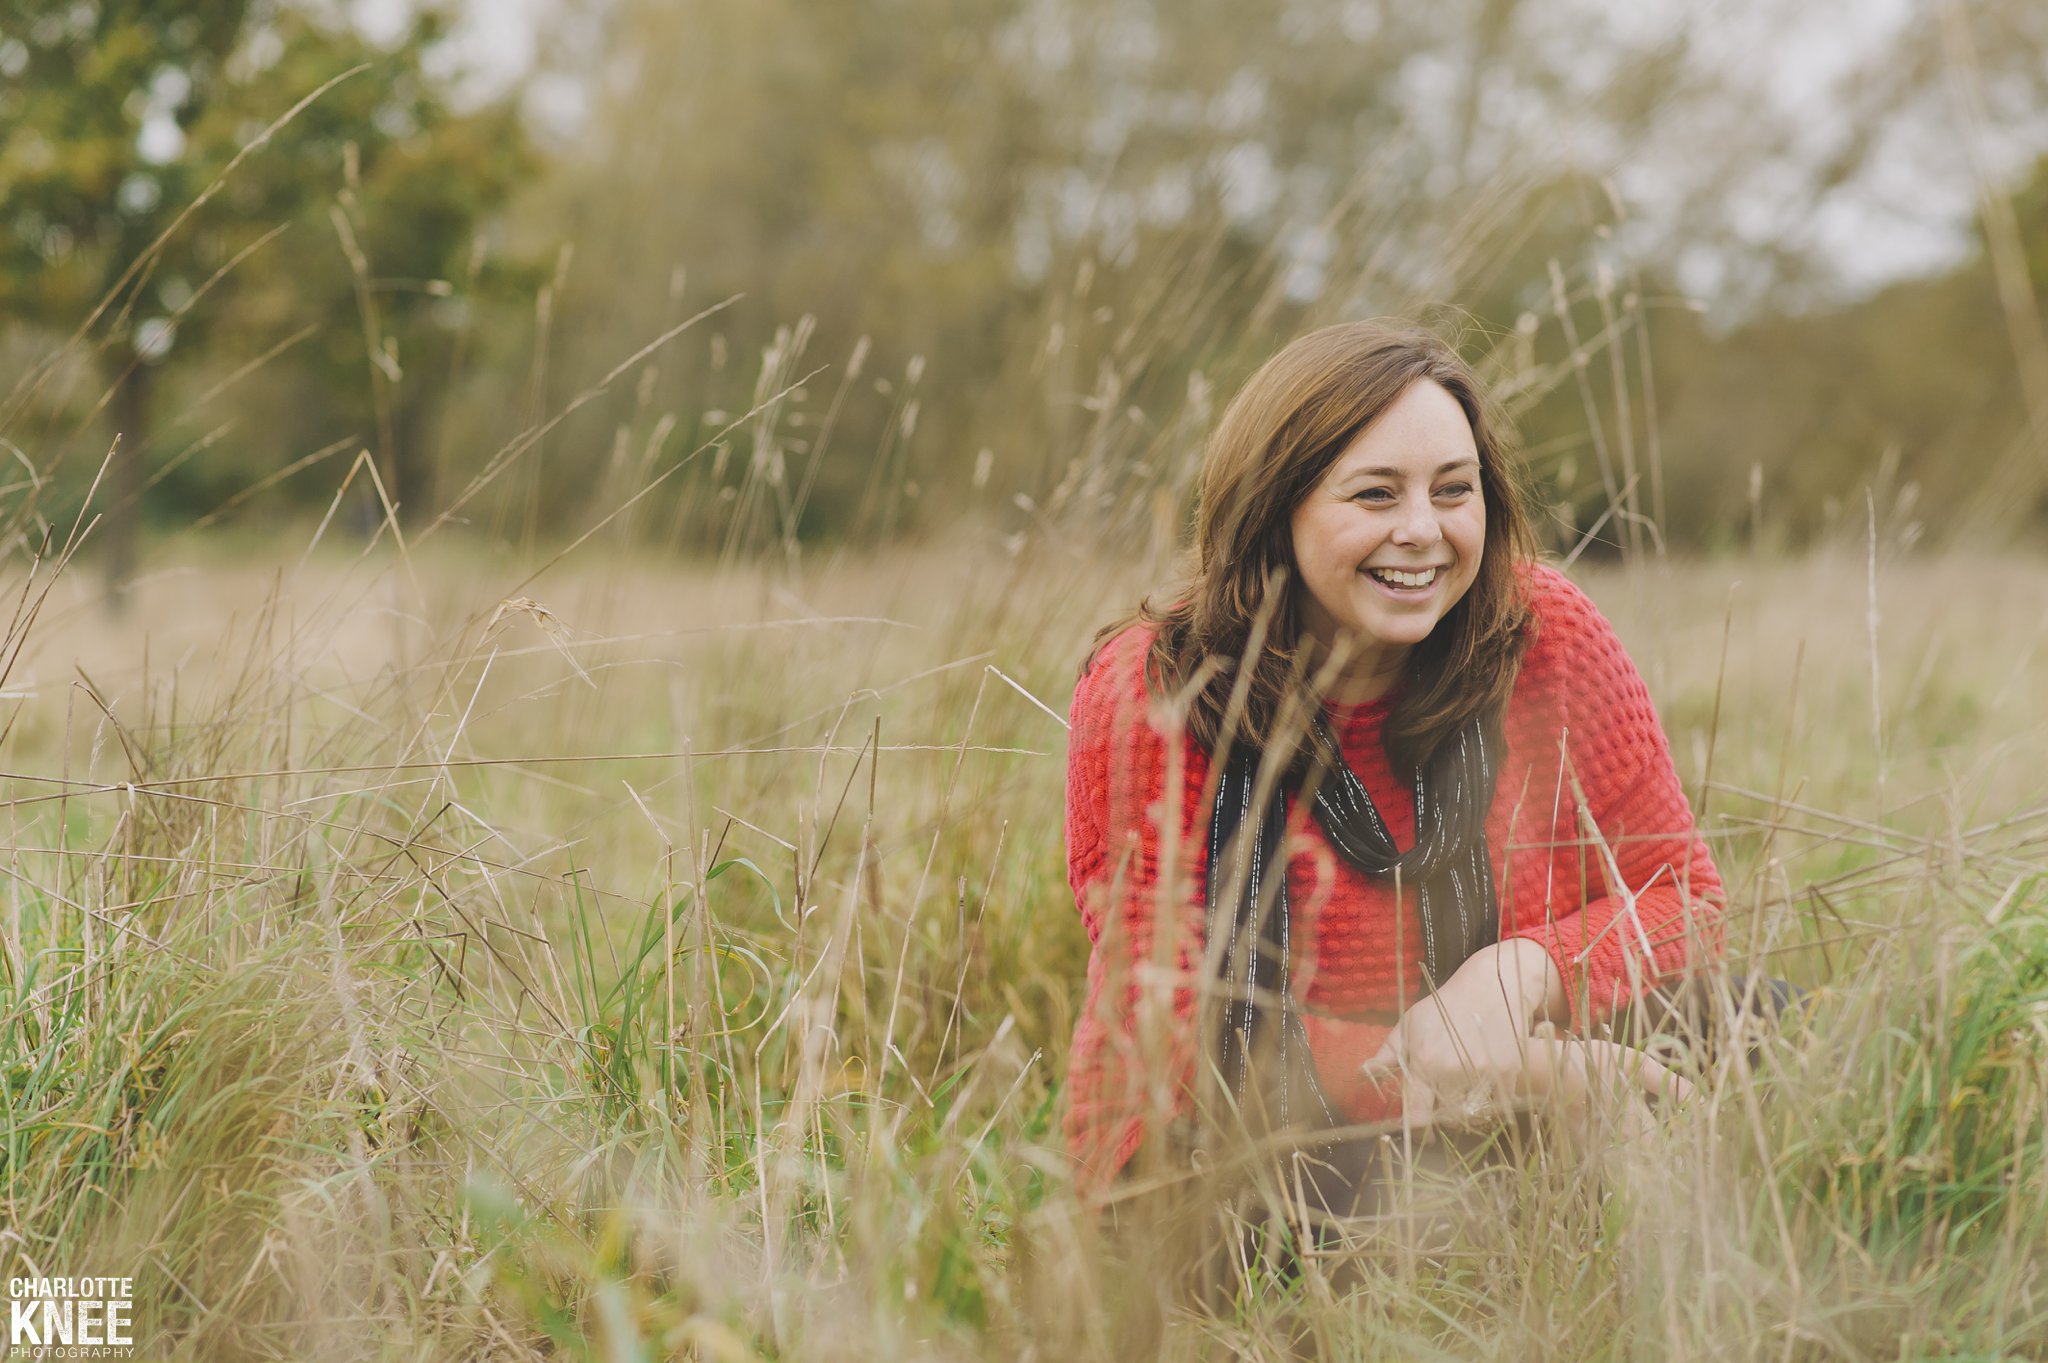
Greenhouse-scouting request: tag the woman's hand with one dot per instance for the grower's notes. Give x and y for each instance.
(1470, 1051)
(1459, 1051)
(1572, 1075)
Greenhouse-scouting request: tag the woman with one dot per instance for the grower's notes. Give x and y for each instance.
(1367, 675)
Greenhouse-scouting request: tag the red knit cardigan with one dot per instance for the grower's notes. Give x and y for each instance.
(1594, 849)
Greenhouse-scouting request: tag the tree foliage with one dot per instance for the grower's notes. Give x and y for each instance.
(203, 200)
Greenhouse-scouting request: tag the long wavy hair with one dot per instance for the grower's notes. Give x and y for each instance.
(1231, 625)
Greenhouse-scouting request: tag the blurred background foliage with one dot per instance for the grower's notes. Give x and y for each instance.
(1000, 257)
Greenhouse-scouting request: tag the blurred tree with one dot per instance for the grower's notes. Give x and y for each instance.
(2030, 210)
(1779, 429)
(117, 121)
(1087, 210)
(1091, 216)
(1079, 209)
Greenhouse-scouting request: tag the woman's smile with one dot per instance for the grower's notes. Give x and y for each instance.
(1404, 584)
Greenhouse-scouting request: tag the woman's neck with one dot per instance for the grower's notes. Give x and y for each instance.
(1366, 673)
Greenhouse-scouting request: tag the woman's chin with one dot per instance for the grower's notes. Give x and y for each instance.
(1401, 630)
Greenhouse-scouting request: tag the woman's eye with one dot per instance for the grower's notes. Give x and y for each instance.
(1454, 490)
(1378, 495)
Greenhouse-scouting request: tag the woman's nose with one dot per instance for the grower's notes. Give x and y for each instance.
(1417, 524)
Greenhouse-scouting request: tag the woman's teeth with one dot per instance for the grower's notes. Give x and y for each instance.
(1394, 577)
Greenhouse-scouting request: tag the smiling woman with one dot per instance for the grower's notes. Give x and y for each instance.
(1342, 785)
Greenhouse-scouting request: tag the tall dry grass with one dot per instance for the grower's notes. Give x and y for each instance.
(406, 956)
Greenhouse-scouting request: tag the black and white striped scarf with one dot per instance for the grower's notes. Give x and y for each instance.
(1448, 866)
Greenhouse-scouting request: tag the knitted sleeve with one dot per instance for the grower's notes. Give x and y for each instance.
(1126, 786)
(1650, 897)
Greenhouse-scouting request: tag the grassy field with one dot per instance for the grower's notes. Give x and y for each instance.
(412, 956)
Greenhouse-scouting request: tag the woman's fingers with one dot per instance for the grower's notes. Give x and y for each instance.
(1572, 1071)
(1423, 1102)
(1388, 1061)
(1638, 1123)
(1642, 1071)
(1549, 1070)
(1419, 1106)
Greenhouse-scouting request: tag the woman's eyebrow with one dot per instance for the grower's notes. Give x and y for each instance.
(1384, 472)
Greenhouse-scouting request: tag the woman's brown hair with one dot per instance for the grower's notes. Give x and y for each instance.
(1275, 442)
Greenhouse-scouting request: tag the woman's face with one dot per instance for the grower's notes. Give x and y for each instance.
(1391, 538)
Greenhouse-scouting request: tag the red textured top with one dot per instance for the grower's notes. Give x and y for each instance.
(1581, 737)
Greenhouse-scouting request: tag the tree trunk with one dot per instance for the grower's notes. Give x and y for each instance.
(122, 495)
(411, 480)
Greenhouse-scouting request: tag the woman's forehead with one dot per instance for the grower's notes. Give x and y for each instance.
(1423, 433)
